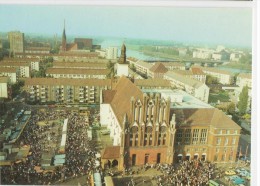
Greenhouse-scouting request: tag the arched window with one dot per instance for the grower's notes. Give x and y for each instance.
(163, 129)
(149, 129)
(164, 139)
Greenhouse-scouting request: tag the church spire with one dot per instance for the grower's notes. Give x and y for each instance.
(122, 59)
(64, 40)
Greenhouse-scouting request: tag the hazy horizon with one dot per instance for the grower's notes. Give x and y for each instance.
(212, 26)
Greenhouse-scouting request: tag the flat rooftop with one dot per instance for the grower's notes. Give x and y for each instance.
(179, 98)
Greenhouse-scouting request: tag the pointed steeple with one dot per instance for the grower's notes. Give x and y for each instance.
(64, 40)
(122, 59)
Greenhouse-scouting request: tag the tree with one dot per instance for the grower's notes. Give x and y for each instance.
(132, 66)
(111, 68)
(243, 100)
(211, 80)
(231, 108)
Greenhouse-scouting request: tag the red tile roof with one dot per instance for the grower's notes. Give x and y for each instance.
(77, 71)
(197, 71)
(204, 117)
(112, 152)
(158, 68)
(67, 81)
(125, 90)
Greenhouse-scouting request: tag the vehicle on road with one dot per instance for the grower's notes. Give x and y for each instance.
(230, 172)
(237, 180)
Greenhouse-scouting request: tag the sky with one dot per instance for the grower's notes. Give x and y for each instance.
(227, 26)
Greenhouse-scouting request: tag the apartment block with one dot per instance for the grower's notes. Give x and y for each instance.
(64, 90)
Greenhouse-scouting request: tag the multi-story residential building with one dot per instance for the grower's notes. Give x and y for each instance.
(91, 57)
(111, 53)
(222, 55)
(224, 77)
(191, 86)
(194, 73)
(140, 66)
(182, 52)
(101, 52)
(157, 71)
(16, 40)
(77, 73)
(23, 68)
(34, 62)
(244, 79)
(198, 74)
(174, 65)
(202, 53)
(146, 128)
(64, 90)
(37, 50)
(76, 56)
(152, 83)
(79, 65)
(10, 72)
(235, 57)
(4, 87)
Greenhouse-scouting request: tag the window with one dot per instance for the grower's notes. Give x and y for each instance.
(233, 141)
(179, 136)
(218, 141)
(217, 150)
(228, 131)
(226, 141)
(164, 139)
(145, 139)
(150, 139)
(187, 135)
(216, 157)
(195, 136)
(203, 136)
(131, 140)
(223, 158)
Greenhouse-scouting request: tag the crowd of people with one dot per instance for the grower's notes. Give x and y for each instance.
(192, 173)
(79, 150)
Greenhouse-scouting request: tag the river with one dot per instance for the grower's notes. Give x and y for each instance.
(139, 55)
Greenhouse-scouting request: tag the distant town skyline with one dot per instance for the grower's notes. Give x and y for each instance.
(226, 26)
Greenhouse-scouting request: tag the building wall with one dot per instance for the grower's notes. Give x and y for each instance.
(3, 90)
(89, 76)
(122, 69)
(202, 93)
(24, 71)
(12, 76)
(16, 40)
(64, 93)
(111, 53)
(220, 145)
(152, 154)
(225, 79)
(35, 65)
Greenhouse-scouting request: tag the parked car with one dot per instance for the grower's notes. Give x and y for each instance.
(230, 172)
(237, 180)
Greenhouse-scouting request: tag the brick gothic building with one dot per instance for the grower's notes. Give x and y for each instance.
(146, 128)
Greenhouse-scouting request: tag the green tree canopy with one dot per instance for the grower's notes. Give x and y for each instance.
(243, 100)
(231, 108)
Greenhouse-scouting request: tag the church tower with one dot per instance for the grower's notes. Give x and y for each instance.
(122, 59)
(64, 40)
(122, 66)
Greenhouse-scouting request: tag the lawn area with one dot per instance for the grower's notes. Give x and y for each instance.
(221, 96)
